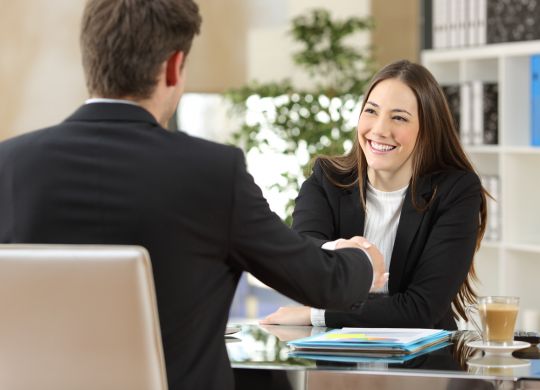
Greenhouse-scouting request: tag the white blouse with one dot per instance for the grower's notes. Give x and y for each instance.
(383, 210)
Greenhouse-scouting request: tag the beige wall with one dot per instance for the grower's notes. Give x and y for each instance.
(397, 31)
(218, 58)
(41, 80)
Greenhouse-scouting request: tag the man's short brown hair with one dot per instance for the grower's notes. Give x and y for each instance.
(124, 42)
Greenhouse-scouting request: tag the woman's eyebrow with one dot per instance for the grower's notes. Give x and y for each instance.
(394, 110)
(401, 110)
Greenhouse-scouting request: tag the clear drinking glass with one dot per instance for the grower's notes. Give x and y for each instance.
(497, 316)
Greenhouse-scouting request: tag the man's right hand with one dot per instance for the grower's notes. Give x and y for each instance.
(380, 276)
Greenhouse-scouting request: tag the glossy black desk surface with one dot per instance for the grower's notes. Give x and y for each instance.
(262, 348)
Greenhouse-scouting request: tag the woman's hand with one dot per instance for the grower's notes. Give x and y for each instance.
(291, 315)
(288, 333)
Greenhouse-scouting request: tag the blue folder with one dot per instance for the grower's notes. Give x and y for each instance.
(362, 341)
(375, 358)
(535, 100)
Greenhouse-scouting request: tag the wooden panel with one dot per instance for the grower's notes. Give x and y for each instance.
(397, 30)
(218, 56)
(41, 77)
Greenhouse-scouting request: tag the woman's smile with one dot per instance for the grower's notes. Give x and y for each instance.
(382, 148)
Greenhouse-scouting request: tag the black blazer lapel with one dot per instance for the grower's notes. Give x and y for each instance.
(409, 222)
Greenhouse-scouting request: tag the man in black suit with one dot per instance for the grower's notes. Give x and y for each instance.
(112, 174)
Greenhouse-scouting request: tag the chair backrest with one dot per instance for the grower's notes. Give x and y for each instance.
(78, 317)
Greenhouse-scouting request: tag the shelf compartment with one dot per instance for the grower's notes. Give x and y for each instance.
(487, 267)
(521, 272)
(485, 163)
(514, 101)
(520, 193)
(486, 69)
(445, 72)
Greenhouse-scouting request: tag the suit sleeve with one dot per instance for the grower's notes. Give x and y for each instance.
(260, 243)
(441, 269)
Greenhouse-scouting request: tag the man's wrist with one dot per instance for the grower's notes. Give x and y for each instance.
(331, 245)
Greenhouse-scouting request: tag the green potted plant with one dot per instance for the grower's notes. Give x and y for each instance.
(304, 122)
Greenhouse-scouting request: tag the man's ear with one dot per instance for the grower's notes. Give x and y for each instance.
(174, 68)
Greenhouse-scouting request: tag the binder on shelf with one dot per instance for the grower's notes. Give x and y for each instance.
(442, 24)
(512, 21)
(453, 23)
(477, 89)
(487, 232)
(490, 113)
(479, 113)
(535, 100)
(437, 25)
(485, 113)
(452, 92)
(481, 33)
(427, 25)
(472, 22)
(494, 223)
(465, 124)
(493, 230)
(462, 23)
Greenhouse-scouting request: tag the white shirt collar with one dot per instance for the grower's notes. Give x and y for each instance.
(106, 100)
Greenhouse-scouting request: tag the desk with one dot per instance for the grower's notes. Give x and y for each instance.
(259, 356)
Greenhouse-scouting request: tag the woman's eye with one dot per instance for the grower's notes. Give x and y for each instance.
(400, 118)
(369, 110)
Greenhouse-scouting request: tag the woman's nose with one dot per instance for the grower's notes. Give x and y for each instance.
(380, 127)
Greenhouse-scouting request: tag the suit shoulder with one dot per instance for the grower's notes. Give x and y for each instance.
(457, 184)
(209, 156)
(24, 140)
(207, 145)
(456, 177)
(325, 172)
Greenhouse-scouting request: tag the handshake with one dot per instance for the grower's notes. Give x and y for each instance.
(380, 276)
(301, 315)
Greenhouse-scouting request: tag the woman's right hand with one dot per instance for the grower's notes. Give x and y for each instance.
(291, 315)
(380, 276)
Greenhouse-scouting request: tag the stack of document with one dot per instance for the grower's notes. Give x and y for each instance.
(394, 343)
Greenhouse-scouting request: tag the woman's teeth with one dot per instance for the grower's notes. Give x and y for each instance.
(381, 147)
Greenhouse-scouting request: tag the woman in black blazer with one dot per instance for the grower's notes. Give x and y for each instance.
(407, 148)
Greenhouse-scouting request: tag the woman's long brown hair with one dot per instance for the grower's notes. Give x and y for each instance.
(437, 149)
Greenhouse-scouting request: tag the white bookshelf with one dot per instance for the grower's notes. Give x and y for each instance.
(510, 265)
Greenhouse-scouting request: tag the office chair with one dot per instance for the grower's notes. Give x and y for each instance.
(78, 317)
